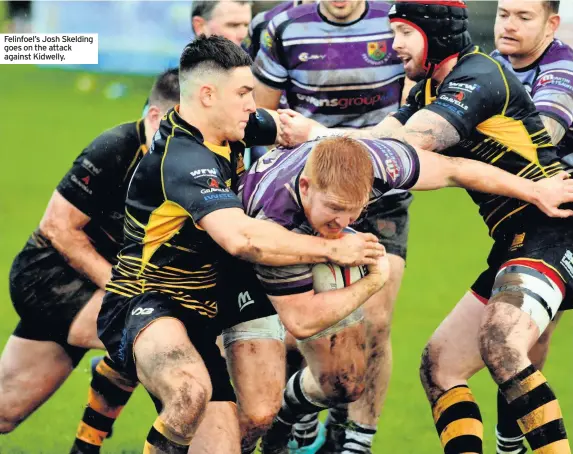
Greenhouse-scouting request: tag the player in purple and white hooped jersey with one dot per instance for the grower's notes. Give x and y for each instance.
(526, 45)
(282, 187)
(336, 64)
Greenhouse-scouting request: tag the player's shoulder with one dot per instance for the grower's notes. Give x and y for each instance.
(123, 139)
(478, 68)
(299, 14)
(558, 56)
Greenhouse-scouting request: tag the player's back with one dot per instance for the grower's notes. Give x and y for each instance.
(338, 74)
(269, 190)
(547, 80)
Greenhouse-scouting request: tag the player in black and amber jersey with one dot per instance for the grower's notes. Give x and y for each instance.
(162, 311)
(57, 280)
(467, 104)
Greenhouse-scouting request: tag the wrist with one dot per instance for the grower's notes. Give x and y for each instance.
(318, 130)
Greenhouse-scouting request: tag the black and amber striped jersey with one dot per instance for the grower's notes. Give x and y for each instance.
(497, 122)
(98, 180)
(179, 181)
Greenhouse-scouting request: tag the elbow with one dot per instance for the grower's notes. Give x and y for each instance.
(298, 326)
(49, 229)
(242, 246)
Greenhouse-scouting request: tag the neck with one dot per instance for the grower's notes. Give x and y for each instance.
(353, 16)
(522, 61)
(444, 69)
(194, 115)
(149, 132)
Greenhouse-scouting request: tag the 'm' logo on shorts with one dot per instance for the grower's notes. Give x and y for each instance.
(142, 311)
(244, 300)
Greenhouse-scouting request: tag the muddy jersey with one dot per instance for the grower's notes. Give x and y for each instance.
(549, 80)
(179, 181)
(497, 122)
(339, 75)
(270, 191)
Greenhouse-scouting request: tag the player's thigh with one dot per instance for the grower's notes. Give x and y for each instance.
(83, 330)
(339, 350)
(169, 366)
(255, 353)
(452, 353)
(219, 431)
(30, 372)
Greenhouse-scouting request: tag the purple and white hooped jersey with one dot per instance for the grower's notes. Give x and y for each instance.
(549, 81)
(339, 75)
(270, 191)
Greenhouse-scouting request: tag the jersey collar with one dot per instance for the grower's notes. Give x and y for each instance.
(175, 119)
(140, 126)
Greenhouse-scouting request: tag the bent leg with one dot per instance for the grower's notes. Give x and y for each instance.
(30, 372)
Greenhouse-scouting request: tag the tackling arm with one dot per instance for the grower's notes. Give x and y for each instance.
(63, 225)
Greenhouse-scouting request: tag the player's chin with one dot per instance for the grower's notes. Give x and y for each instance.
(330, 234)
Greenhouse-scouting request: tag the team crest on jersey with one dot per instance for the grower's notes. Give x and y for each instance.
(247, 42)
(377, 52)
(266, 40)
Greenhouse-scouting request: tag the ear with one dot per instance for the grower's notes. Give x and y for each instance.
(304, 185)
(154, 115)
(199, 25)
(554, 21)
(207, 95)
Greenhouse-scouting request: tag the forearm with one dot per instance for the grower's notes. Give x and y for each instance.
(385, 128)
(79, 252)
(270, 244)
(328, 308)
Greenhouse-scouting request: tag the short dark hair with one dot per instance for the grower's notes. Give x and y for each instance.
(205, 8)
(552, 6)
(219, 52)
(165, 89)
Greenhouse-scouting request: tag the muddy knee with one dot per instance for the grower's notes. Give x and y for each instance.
(342, 387)
(428, 369)
(255, 422)
(184, 404)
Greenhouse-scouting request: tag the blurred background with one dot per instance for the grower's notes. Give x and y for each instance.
(49, 114)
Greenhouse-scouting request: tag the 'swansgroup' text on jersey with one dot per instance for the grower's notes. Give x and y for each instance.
(497, 123)
(340, 75)
(179, 181)
(98, 180)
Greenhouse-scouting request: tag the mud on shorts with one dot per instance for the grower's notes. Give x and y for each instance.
(542, 254)
(389, 221)
(47, 294)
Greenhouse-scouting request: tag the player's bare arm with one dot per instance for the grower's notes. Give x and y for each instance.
(63, 225)
(268, 243)
(309, 313)
(426, 130)
(437, 171)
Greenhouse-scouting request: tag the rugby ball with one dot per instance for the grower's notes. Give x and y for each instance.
(329, 276)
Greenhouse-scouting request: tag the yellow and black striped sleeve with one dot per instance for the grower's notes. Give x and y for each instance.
(193, 179)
